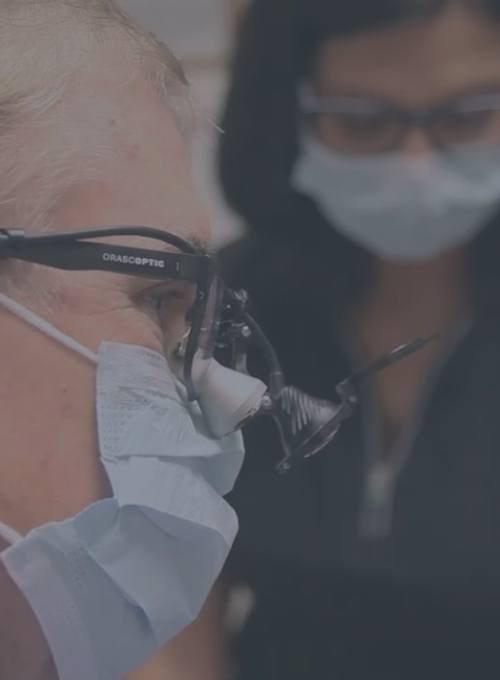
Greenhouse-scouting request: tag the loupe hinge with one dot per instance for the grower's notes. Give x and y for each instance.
(239, 332)
(237, 338)
(236, 303)
(242, 299)
(284, 466)
(266, 405)
(348, 394)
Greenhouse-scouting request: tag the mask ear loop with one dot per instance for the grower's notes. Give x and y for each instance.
(180, 350)
(46, 328)
(9, 534)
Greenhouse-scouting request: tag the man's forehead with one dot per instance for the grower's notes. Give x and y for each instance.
(139, 167)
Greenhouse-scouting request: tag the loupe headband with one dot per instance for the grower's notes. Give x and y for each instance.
(79, 251)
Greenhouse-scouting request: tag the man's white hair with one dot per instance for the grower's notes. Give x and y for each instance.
(43, 43)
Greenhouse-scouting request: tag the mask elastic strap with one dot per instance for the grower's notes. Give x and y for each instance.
(9, 534)
(45, 327)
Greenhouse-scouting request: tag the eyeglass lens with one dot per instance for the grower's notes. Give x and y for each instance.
(376, 130)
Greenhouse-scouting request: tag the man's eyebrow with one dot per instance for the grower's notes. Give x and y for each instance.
(200, 246)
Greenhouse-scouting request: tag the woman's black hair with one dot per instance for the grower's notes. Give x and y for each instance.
(277, 44)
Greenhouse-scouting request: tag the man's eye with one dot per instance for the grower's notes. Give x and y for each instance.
(167, 303)
(162, 302)
(159, 301)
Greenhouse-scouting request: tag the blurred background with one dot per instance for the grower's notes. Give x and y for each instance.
(365, 161)
(200, 32)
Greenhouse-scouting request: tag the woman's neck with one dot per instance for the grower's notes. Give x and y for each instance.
(416, 299)
(406, 302)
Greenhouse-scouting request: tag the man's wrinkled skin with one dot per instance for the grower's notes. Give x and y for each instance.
(50, 468)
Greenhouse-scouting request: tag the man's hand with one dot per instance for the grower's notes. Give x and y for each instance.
(24, 654)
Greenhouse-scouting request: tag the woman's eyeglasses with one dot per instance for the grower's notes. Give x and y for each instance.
(361, 125)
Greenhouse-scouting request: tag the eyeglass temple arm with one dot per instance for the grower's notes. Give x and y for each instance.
(67, 252)
(20, 235)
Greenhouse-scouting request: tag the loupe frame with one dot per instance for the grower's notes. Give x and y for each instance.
(79, 251)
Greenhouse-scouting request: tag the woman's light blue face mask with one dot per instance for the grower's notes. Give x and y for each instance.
(401, 207)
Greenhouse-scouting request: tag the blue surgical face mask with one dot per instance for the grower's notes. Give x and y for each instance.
(112, 584)
(400, 207)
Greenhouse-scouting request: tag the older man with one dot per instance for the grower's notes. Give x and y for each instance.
(112, 548)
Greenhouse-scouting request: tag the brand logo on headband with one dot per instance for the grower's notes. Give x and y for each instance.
(132, 259)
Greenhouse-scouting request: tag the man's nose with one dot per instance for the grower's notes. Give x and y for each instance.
(416, 142)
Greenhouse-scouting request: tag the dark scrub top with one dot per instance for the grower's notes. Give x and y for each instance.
(422, 601)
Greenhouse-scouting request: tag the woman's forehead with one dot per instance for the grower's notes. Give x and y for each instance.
(418, 62)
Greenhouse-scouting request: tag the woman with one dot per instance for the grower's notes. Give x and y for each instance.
(362, 147)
